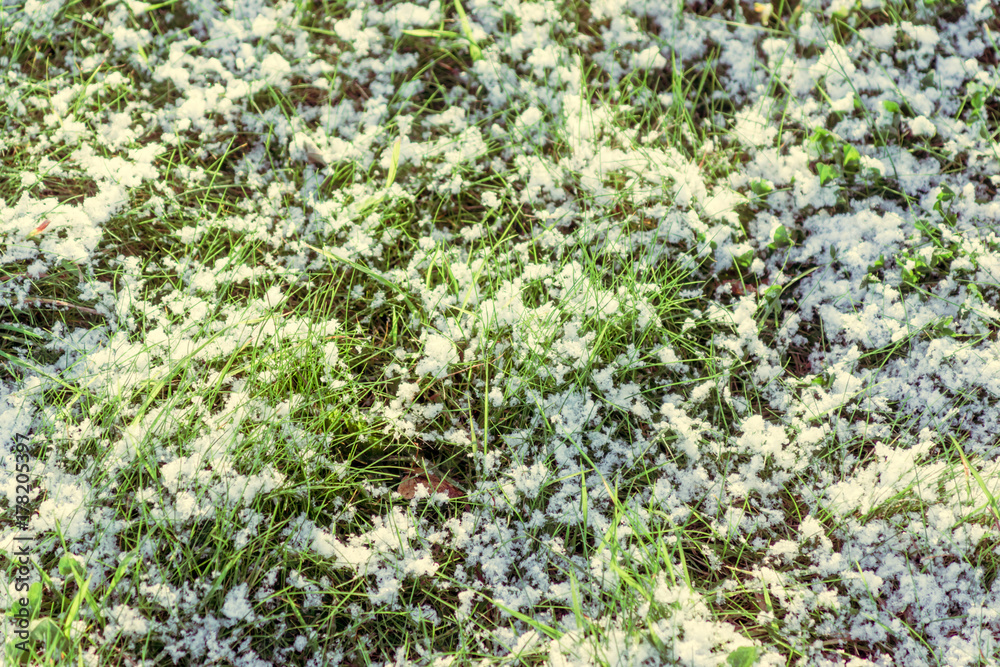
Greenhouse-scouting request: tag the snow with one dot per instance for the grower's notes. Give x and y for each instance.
(808, 415)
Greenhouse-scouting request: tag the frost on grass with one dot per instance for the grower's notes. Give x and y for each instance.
(701, 317)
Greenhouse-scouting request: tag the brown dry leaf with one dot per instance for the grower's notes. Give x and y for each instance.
(434, 484)
(39, 229)
(313, 154)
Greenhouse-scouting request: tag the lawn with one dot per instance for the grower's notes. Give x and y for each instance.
(470, 332)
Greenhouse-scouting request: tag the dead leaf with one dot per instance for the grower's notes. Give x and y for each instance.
(434, 484)
(313, 154)
(39, 229)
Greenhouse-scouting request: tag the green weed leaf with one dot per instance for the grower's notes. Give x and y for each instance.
(423, 32)
(390, 178)
(744, 656)
(474, 50)
(852, 158)
(35, 598)
(70, 565)
(826, 173)
(760, 187)
(780, 238)
(745, 260)
(48, 631)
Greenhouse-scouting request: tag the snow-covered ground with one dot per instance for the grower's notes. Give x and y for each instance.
(495, 333)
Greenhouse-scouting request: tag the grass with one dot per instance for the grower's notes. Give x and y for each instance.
(709, 386)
